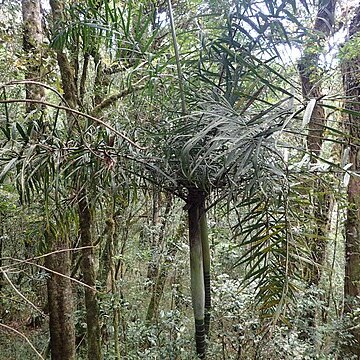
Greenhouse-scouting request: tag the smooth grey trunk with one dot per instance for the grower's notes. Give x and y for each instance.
(195, 204)
(206, 265)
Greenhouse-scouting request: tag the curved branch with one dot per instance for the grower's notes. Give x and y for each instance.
(20, 294)
(24, 337)
(33, 82)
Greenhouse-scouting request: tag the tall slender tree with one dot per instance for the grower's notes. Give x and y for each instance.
(89, 273)
(69, 79)
(351, 82)
(311, 84)
(62, 328)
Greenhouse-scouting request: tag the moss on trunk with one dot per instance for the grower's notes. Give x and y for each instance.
(60, 300)
(88, 270)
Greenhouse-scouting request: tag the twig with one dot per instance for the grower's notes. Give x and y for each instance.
(55, 272)
(63, 275)
(21, 82)
(40, 256)
(24, 337)
(20, 294)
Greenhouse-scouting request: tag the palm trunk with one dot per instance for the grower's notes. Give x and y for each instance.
(60, 301)
(196, 201)
(88, 270)
(351, 71)
(206, 265)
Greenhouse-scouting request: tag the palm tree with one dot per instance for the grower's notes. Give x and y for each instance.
(223, 147)
(216, 151)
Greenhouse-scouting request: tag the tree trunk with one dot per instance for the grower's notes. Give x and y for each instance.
(153, 266)
(60, 301)
(2, 302)
(108, 275)
(309, 73)
(311, 89)
(108, 254)
(32, 42)
(206, 265)
(67, 72)
(88, 270)
(351, 81)
(196, 200)
(157, 241)
(114, 290)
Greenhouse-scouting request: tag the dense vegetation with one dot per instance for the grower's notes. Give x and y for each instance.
(179, 179)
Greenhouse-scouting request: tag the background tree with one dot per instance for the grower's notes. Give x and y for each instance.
(350, 71)
(310, 76)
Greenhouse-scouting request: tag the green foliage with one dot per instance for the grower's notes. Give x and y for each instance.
(242, 119)
(350, 50)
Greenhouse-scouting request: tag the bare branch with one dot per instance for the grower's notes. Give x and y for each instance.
(53, 272)
(24, 337)
(19, 262)
(111, 99)
(21, 82)
(20, 294)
